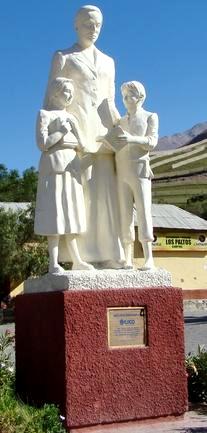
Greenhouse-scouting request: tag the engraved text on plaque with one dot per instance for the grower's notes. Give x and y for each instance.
(126, 327)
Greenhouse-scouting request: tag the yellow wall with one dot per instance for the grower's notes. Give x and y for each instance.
(188, 268)
(18, 290)
(188, 271)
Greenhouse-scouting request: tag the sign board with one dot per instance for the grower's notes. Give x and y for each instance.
(126, 327)
(180, 241)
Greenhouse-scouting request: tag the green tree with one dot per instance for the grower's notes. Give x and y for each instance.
(3, 172)
(16, 188)
(29, 184)
(198, 205)
(22, 253)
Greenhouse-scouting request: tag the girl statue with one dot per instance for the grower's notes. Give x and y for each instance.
(60, 207)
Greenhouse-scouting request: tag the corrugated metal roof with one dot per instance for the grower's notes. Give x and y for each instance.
(14, 206)
(173, 217)
(164, 216)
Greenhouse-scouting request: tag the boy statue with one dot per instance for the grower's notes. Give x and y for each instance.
(134, 136)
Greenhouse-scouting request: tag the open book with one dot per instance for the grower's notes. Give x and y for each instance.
(54, 125)
(108, 114)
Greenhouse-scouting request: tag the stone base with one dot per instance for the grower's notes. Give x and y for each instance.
(63, 357)
(102, 279)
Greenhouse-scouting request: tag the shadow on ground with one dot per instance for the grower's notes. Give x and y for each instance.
(196, 320)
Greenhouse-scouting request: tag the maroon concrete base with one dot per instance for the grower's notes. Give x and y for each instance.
(62, 355)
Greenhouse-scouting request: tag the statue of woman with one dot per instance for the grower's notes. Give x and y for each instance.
(60, 207)
(93, 75)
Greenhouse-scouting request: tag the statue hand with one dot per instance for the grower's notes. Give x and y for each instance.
(64, 127)
(81, 148)
(121, 139)
(128, 137)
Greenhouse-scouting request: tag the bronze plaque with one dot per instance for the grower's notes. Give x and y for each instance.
(126, 327)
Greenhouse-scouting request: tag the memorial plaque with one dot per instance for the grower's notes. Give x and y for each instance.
(126, 327)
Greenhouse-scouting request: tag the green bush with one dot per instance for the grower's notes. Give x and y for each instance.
(15, 416)
(6, 365)
(196, 366)
(198, 205)
(22, 253)
(18, 188)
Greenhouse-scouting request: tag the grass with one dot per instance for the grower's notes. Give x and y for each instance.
(15, 416)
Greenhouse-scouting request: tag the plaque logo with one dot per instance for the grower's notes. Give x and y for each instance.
(127, 322)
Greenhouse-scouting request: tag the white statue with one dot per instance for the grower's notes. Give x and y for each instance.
(60, 207)
(133, 138)
(93, 76)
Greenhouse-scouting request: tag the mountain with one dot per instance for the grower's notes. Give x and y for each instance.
(193, 135)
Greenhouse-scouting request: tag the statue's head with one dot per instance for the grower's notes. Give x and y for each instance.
(61, 91)
(133, 92)
(88, 23)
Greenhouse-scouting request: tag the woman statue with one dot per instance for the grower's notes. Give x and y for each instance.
(93, 106)
(60, 207)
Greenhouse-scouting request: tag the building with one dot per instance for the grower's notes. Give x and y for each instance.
(180, 245)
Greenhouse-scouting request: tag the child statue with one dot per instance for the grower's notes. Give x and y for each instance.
(134, 136)
(60, 207)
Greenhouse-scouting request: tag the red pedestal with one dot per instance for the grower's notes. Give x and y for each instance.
(62, 355)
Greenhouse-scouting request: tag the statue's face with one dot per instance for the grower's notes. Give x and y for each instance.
(66, 95)
(88, 28)
(130, 100)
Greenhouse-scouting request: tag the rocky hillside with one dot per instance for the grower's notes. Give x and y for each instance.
(193, 135)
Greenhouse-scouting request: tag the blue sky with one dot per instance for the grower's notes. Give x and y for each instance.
(161, 43)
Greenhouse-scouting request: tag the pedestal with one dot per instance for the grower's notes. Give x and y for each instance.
(63, 354)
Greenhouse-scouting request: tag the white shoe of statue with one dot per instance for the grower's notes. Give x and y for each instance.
(82, 266)
(148, 266)
(113, 264)
(56, 269)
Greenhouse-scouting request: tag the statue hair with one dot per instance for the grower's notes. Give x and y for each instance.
(136, 87)
(84, 10)
(56, 87)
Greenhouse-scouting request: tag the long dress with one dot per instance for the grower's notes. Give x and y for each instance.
(60, 206)
(94, 86)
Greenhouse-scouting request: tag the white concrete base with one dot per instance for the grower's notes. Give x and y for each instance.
(102, 279)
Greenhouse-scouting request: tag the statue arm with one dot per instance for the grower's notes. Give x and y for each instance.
(148, 141)
(118, 137)
(45, 140)
(152, 130)
(111, 87)
(77, 132)
(111, 95)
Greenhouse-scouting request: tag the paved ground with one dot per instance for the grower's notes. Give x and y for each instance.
(195, 330)
(9, 326)
(194, 421)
